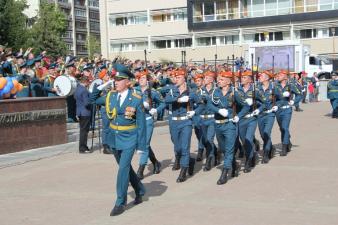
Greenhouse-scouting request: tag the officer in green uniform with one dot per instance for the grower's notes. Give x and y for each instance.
(332, 94)
(127, 133)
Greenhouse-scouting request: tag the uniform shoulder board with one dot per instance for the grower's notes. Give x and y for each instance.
(136, 95)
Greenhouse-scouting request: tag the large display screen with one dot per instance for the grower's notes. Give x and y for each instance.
(281, 57)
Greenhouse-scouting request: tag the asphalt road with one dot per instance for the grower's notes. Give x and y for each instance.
(58, 186)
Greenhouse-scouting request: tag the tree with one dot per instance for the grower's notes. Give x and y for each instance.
(13, 23)
(45, 34)
(92, 45)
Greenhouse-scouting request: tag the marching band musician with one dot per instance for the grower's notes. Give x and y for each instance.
(152, 103)
(127, 128)
(180, 100)
(49, 80)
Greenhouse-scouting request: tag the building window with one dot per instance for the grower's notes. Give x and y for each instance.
(335, 33)
(198, 12)
(128, 18)
(249, 38)
(221, 8)
(206, 41)
(299, 6)
(81, 37)
(209, 11)
(161, 44)
(306, 34)
(94, 25)
(80, 13)
(63, 1)
(245, 8)
(284, 7)
(93, 3)
(69, 46)
(233, 9)
(257, 8)
(228, 40)
(311, 5)
(94, 15)
(67, 34)
(81, 48)
(182, 43)
(81, 25)
(177, 14)
(325, 5)
(80, 2)
(125, 47)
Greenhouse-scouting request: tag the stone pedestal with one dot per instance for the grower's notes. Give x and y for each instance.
(28, 123)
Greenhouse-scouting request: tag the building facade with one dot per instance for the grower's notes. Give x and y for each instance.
(83, 18)
(204, 28)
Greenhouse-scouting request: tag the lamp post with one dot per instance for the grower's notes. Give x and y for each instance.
(333, 31)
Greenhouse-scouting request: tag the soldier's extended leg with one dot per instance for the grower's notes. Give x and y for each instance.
(283, 117)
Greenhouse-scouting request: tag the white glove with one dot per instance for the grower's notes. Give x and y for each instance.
(249, 101)
(223, 112)
(235, 119)
(183, 99)
(291, 103)
(103, 86)
(190, 114)
(303, 90)
(274, 108)
(139, 152)
(146, 105)
(256, 112)
(153, 111)
(286, 94)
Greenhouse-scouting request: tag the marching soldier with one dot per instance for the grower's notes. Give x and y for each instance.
(266, 119)
(181, 100)
(127, 128)
(247, 125)
(207, 120)
(150, 98)
(332, 94)
(284, 90)
(198, 80)
(223, 101)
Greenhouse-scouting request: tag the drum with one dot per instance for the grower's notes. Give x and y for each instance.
(65, 85)
(98, 82)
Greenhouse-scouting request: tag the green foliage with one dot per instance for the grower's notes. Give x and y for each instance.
(45, 34)
(92, 45)
(12, 23)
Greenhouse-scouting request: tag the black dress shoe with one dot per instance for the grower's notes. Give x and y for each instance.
(265, 157)
(199, 155)
(191, 166)
(254, 159)
(298, 109)
(208, 163)
(235, 169)
(176, 165)
(272, 152)
(106, 150)
(138, 200)
(247, 167)
(183, 175)
(117, 210)
(289, 147)
(223, 178)
(157, 167)
(284, 151)
(257, 145)
(140, 172)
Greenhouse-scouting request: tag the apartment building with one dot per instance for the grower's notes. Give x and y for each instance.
(83, 18)
(204, 28)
